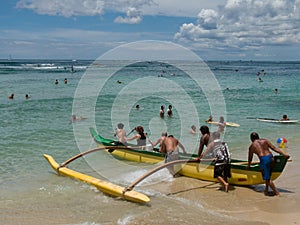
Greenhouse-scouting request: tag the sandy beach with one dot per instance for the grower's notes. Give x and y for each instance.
(178, 201)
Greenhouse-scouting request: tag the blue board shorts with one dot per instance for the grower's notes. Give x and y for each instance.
(265, 166)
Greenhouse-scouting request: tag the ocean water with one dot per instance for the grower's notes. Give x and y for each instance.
(41, 124)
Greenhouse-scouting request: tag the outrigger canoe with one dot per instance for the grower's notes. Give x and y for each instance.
(104, 186)
(269, 120)
(240, 175)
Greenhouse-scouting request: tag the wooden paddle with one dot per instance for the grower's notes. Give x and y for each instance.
(133, 184)
(131, 131)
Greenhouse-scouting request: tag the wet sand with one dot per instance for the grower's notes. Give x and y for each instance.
(246, 203)
(180, 201)
(176, 201)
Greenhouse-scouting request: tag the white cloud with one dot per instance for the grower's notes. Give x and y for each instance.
(65, 8)
(245, 24)
(132, 17)
(207, 18)
(70, 8)
(235, 26)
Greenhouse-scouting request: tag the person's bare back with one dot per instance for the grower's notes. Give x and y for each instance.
(170, 144)
(261, 147)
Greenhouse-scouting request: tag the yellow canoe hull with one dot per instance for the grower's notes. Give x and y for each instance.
(202, 171)
(104, 186)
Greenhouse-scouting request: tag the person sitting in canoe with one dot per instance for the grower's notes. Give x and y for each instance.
(159, 140)
(120, 133)
(220, 153)
(261, 147)
(169, 147)
(140, 136)
(284, 118)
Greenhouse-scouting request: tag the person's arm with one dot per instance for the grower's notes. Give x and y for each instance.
(115, 133)
(182, 147)
(201, 146)
(132, 138)
(162, 147)
(208, 149)
(271, 146)
(192, 131)
(250, 156)
(155, 143)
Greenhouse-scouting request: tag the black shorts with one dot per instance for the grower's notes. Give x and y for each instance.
(222, 170)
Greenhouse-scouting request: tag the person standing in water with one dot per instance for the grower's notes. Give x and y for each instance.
(169, 111)
(221, 124)
(169, 147)
(159, 140)
(162, 111)
(193, 129)
(11, 96)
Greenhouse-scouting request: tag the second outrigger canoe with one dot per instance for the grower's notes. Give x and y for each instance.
(270, 120)
(240, 175)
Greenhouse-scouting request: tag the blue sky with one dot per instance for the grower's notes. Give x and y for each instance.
(215, 30)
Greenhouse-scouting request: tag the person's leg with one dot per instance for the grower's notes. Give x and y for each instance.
(226, 185)
(267, 187)
(272, 185)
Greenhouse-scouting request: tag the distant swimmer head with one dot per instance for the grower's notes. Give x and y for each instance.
(11, 96)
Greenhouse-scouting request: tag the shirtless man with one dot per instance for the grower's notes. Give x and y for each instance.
(162, 111)
(261, 147)
(204, 140)
(169, 147)
(159, 140)
(120, 133)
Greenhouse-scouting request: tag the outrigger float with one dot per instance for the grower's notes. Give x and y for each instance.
(104, 186)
